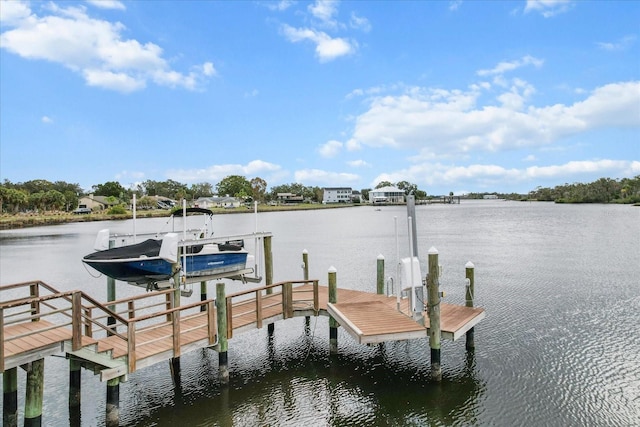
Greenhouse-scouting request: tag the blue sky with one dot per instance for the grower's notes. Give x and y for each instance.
(450, 95)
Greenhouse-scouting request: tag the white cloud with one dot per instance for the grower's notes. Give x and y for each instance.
(436, 121)
(548, 8)
(251, 170)
(454, 5)
(47, 119)
(504, 67)
(327, 48)
(279, 5)
(622, 44)
(360, 23)
(325, 178)
(93, 48)
(358, 164)
(330, 148)
(107, 4)
(324, 10)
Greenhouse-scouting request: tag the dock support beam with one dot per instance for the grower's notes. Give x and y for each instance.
(112, 415)
(34, 394)
(433, 284)
(380, 275)
(333, 323)
(223, 344)
(10, 397)
(268, 273)
(470, 292)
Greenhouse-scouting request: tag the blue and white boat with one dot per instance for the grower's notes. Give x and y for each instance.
(152, 260)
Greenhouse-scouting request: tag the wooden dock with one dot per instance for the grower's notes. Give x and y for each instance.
(147, 330)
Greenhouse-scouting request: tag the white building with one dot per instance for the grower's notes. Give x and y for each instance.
(386, 195)
(336, 195)
(217, 202)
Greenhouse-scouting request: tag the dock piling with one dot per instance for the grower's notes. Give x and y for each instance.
(10, 397)
(380, 275)
(112, 415)
(223, 344)
(34, 394)
(470, 293)
(268, 273)
(111, 292)
(203, 294)
(305, 276)
(333, 323)
(433, 284)
(74, 382)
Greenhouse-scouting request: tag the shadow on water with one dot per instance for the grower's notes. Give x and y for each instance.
(298, 382)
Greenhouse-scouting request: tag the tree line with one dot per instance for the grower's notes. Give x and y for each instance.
(43, 195)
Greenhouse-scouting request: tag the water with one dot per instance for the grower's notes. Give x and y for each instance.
(560, 344)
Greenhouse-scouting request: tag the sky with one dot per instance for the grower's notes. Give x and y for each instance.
(453, 96)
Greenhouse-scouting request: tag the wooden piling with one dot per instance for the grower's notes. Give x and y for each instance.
(112, 415)
(203, 294)
(470, 293)
(10, 397)
(380, 275)
(74, 382)
(268, 273)
(433, 284)
(223, 344)
(34, 394)
(333, 323)
(305, 276)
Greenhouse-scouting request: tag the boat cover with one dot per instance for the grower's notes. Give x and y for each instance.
(149, 248)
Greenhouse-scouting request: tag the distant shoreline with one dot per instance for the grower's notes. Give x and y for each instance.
(27, 220)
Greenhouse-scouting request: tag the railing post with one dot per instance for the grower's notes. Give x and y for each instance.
(76, 322)
(433, 284)
(212, 322)
(34, 394)
(223, 345)
(470, 293)
(131, 346)
(380, 275)
(34, 292)
(176, 333)
(9, 397)
(316, 297)
(2, 340)
(203, 294)
(88, 313)
(333, 323)
(259, 309)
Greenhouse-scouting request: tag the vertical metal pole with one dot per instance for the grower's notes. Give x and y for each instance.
(223, 344)
(380, 275)
(333, 323)
(433, 284)
(470, 293)
(10, 397)
(34, 394)
(411, 213)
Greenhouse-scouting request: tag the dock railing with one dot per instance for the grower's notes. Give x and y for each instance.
(286, 298)
(91, 319)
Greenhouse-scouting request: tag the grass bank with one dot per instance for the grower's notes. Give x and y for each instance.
(23, 220)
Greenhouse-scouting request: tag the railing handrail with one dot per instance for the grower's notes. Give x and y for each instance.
(169, 311)
(274, 285)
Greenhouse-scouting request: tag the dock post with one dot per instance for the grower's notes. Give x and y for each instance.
(470, 293)
(223, 344)
(10, 397)
(333, 323)
(74, 382)
(34, 394)
(112, 415)
(305, 275)
(268, 273)
(433, 284)
(203, 294)
(111, 292)
(380, 275)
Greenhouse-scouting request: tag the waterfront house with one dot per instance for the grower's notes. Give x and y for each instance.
(384, 195)
(337, 195)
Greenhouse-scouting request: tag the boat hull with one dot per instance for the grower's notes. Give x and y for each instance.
(155, 269)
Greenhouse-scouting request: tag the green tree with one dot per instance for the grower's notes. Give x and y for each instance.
(111, 188)
(234, 186)
(258, 189)
(53, 200)
(203, 189)
(384, 184)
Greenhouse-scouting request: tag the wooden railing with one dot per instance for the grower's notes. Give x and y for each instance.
(282, 294)
(89, 318)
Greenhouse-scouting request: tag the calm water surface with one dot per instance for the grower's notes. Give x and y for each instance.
(559, 347)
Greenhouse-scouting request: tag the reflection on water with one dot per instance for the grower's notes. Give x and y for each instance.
(558, 346)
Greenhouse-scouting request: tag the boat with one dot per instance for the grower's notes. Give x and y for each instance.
(153, 260)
